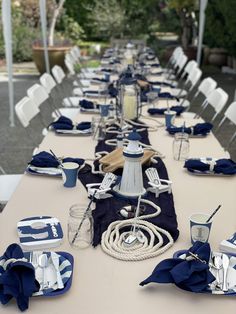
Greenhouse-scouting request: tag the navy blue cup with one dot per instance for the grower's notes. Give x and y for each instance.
(69, 174)
(104, 110)
(169, 117)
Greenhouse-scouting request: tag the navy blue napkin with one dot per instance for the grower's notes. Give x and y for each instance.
(17, 280)
(64, 123)
(86, 104)
(225, 166)
(189, 274)
(177, 109)
(112, 90)
(107, 70)
(104, 80)
(46, 160)
(198, 129)
(156, 65)
(166, 96)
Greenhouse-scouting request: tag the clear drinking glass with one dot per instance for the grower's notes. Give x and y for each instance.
(80, 226)
(181, 146)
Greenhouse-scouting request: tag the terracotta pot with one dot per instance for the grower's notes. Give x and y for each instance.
(218, 57)
(56, 56)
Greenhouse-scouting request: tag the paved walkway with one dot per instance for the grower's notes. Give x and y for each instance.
(17, 144)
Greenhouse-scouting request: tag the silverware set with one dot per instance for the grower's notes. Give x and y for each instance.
(38, 259)
(220, 263)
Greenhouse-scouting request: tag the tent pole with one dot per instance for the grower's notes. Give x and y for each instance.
(43, 19)
(7, 33)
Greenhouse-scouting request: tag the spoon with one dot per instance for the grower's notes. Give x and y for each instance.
(217, 261)
(43, 263)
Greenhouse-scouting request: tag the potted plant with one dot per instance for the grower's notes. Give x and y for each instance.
(56, 50)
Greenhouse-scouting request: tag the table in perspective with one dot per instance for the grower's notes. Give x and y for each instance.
(105, 285)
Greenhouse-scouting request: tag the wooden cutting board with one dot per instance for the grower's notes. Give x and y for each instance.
(115, 159)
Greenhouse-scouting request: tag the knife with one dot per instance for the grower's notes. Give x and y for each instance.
(225, 264)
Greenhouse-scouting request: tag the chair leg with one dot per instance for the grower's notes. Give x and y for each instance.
(231, 140)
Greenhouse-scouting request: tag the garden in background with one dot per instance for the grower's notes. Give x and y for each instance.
(93, 24)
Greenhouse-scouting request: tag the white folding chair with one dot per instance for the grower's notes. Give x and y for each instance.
(49, 84)
(217, 100)
(229, 114)
(188, 68)
(191, 82)
(205, 88)
(38, 94)
(59, 76)
(26, 110)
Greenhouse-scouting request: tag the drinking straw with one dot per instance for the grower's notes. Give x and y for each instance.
(84, 216)
(168, 106)
(214, 212)
(181, 142)
(58, 159)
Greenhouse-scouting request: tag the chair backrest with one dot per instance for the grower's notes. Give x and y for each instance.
(182, 63)
(69, 66)
(48, 82)
(58, 74)
(230, 112)
(217, 99)
(207, 86)
(194, 77)
(177, 54)
(192, 64)
(38, 94)
(26, 110)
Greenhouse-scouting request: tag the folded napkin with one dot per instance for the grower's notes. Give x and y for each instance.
(189, 274)
(177, 109)
(167, 96)
(225, 166)
(155, 65)
(17, 277)
(107, 70)
(198, 129)
(46, 160)
(64, 123)
(112, 90)
(104, 80)
(86, 104)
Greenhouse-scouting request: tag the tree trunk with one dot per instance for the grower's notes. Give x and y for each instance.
(53, 22)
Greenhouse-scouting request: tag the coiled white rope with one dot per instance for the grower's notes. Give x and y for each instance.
(113, 241)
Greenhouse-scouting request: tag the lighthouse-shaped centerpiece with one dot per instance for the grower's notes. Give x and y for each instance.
(131, 184)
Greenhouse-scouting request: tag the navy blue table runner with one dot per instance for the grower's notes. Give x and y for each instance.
(107, 210)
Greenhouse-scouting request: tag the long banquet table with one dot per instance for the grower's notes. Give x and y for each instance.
(102, 284)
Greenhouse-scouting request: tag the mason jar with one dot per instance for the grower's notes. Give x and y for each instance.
(181, 146)
(80, 226)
